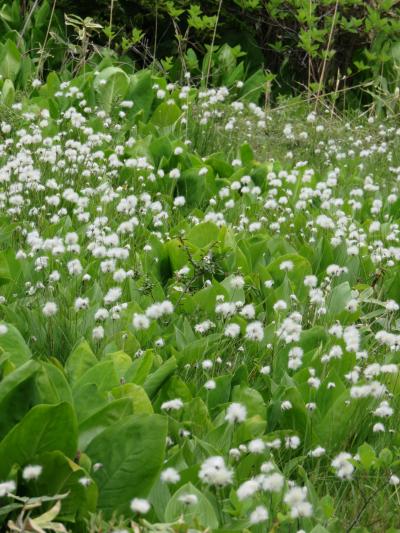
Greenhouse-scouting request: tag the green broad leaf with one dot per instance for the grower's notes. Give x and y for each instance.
(88, 400)
(121, 361)
(159, 498)
(102, 419)
(166, 115)
(79, 361)
(61, 475)
(140, 368)
(13, 344)
(52, 385)
(251, 428)
(41, 15)
(195, 188)
(52, 84)
(131, 453)
(367, 455)
(197, 413)
(319, 529)
(202, 512)
(155, 380)
(312, 338)
(8, 93)
(246, 154)
(206, 298)
(141, 403)
(300, 267)
(327, 506)
(26, 73)
(111, 85)
(160, 147)
(220, 395)
(141, 92)
(102, 374)
(203, 234)
(45, 428)
(10, 60)
(251, 399)
(177, 255)
(221, 437)
(340, 297)
(5, 274)
(338, 421)
(253, 87)
(16, 395)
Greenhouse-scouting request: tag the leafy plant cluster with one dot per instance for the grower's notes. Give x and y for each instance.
(199, 330)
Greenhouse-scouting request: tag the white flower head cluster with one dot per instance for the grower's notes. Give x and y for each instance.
(213, 471)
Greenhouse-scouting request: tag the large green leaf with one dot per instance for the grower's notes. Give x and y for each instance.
(340, 297)
(79, 361)
(16, 395)
(14, 345)
(8, 93)
(157, 378)
(52, 385)
(201, 512)
(196, 188)
(111, 85)
(88, 400)
(102, 419)
(141, 92)
(10, 60)
(166, 115)
(251, 399)
(45, 428)
(131, 453)
(60, 475)
(140, 368)
(102, 374)
(203, 234)
(139, 399)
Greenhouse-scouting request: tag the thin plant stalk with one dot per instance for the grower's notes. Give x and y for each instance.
(328, 47)
(213, 42)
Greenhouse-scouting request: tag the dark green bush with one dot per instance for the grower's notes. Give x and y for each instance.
(321, 45)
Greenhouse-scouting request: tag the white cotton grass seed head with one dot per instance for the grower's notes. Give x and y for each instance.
(170, 475)
(296, 499)
(286, 266)
(188, 499)
(256, 446)
(210, 384)
(247, 489)
(6, 487)
(31, 472)
(49, 309)
(341, 463)
(213, 471)
(273, 482)
(140, 321)
(260, 514)
(237, 282)
(236, 413)
(255, 331)
(140, 506)
(98, 333)
(172, 405)
(319, 451)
